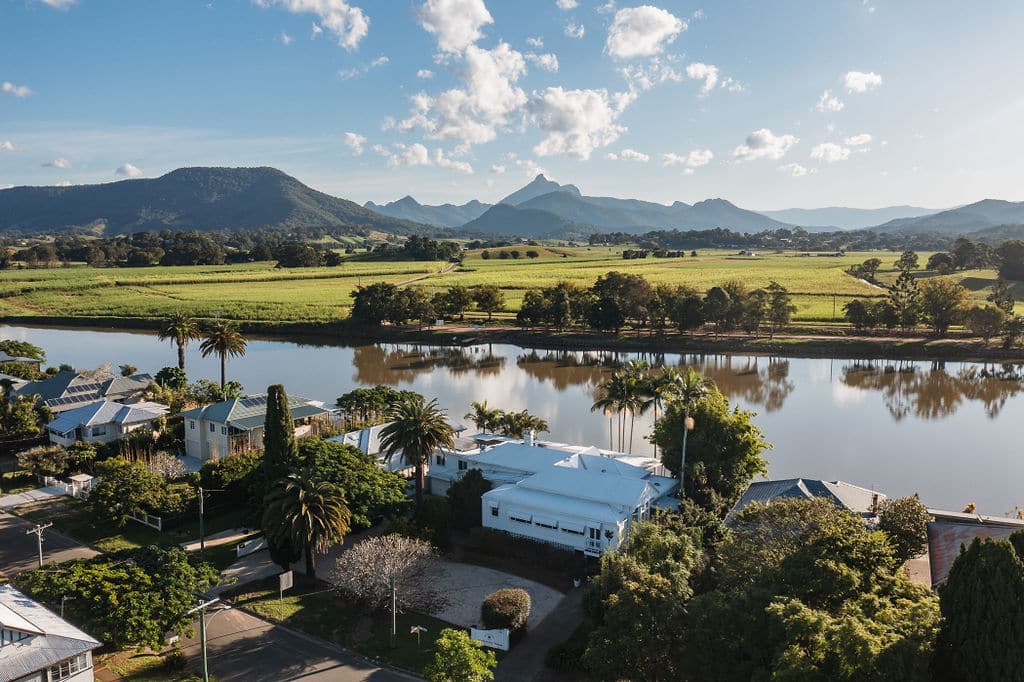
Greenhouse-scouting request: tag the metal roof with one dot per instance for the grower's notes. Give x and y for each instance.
(249, 412)
(845, 495)
(106, 412)
(946, 537)
(51, 639)
(69, 388)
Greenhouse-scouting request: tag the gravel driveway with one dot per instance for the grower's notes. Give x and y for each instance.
(467, 585)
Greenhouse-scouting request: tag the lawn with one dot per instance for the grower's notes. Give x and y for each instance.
(261, 293)
(312, 608)
(147, 667)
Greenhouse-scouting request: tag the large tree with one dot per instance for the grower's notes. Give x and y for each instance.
(943, 303)
(280, 449)
(308, 514)
(983, 614)
(489, 299)
(222, 339)
(905, 521)
(417, 429)
(365, 570)
(180, 329)
(905, 298)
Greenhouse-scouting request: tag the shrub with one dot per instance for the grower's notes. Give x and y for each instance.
(567, 657)
(508, 608)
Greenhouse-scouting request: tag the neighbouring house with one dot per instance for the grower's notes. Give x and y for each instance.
(236, 425)
(103, 422)
(67, 390)
(14, 382)
(949, 531)
(38, 646)
(575, 497)
(861, 501)
(31, 362)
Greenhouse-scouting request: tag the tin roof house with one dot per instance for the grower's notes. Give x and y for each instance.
(68, 390)
(103, 422)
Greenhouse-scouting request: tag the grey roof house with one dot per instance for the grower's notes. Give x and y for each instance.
(5, 357)
(103, 422)
(861, 501)
(236, 425)
(67, 390)
(35, 644)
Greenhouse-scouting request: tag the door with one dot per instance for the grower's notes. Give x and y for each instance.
(594, 539)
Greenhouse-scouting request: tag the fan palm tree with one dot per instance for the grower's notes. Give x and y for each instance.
(309, 514)
(180, 329)
(416, 430)
(223, 339)
(687, 390)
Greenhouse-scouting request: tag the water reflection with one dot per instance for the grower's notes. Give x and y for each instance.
(908, 388)
(391, 365)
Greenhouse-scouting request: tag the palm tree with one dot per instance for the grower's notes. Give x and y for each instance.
(483, 416)
(514, 424)
(416, 430)
(635, 399)
(608, 404)
(223, 339)
(179, 329)
(687, 390)
(309, 514)
(659, 387)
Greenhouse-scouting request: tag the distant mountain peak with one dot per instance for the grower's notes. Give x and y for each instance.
(539, 186)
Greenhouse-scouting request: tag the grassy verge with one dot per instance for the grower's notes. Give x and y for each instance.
(148, 667)
(310, 608)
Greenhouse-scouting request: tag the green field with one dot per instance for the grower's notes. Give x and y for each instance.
(260, 292)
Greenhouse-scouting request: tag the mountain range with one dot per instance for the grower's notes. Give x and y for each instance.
(201, 198)
(212, 198)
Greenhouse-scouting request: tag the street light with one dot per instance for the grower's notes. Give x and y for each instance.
(202, 534)
(688, 425)
(202, 630)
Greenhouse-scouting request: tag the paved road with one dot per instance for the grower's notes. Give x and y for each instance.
(243, 647)
(19, 552)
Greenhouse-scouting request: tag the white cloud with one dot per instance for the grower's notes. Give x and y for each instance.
(355, 141)
(606, 8)
(416, 154)
(530, 168)
(858, 81)
(548, 62)
(64, 183)
(732, 85)
(285, 39)
(456, 23)
(628, 155)
(764, 144)
(654, 72)
(16, 90)
(129, 170)
(567, 4)
(858, 140)
(315, 31)
(356, 71)
(498, 169)
(830, 152)
(829, 102)
(795, 170)
(425, 74)
(576, 121)
(350, 24)
(59, 4)
(6, 146)
(642, 32)
(537, 42)
(697, 14)
(694, 159)
(705, 72)
(58, 163)
(445, 162)
(575, 30)
(472, 115)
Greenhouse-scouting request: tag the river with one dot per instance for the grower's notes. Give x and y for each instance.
(943, 430)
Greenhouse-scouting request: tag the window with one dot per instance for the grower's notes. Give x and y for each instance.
(68, 667)
(99, 430)
(191, 425)
(223, 430)
(9, 636)
(494, 511)
(440, 459)
(463, 465)
(213, 428)
(571, 531)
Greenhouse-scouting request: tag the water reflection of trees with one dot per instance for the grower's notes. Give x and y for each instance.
(762, 381)
(933, 392)
(389, 365)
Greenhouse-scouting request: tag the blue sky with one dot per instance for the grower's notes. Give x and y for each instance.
(770, 104)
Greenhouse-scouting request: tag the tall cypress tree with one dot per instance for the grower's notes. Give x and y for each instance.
(280, 451)
(982, 606)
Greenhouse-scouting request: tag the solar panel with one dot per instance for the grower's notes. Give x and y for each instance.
(82, 388)
(254, 401)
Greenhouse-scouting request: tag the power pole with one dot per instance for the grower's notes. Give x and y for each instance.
(394, 608)
(38, 530)
(202, 533)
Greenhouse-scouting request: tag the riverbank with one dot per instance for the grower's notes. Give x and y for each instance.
(798, 342)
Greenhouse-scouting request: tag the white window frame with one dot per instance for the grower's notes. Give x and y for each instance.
(63, 670)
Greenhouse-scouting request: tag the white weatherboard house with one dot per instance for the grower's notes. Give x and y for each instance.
(103, 422)
(368, 441)
(578, 498)
(37, 646)
(236, 425)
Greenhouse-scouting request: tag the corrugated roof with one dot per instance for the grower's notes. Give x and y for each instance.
(846, 495)
(59, 640)
(608, 486)
(556, 506)
(945, 538)
(106, 412)
(69, 388)
(250, 411)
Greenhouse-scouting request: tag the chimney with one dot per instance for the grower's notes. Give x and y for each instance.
(528, 438)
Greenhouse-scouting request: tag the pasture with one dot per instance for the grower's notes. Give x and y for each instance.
(260, 292)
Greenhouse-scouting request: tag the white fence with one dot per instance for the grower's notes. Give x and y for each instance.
(80, 492)
(148, 520)
(250, 546)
